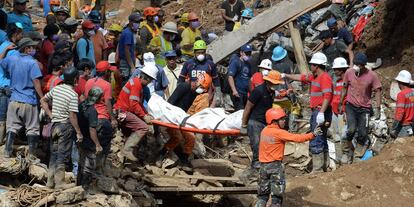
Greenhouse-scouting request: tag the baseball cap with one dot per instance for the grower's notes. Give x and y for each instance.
(87, 24)
(26, 42)
(325, 34)
(360, 59)
(135, 17)
(71, 21)
(331, 22)
(170, 53)
(246, 48)
(104, 66)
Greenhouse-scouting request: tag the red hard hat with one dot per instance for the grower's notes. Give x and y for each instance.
(150, 11)
(274, 114)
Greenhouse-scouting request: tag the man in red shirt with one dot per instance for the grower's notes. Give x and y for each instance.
(320, 100)
(338, 126)
(359, 83)
(404, 111)
(271, 150)
(132, 116)
(257, 78)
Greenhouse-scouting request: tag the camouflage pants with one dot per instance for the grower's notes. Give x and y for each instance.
(271, 183)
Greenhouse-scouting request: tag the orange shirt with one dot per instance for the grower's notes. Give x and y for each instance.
(272, 142)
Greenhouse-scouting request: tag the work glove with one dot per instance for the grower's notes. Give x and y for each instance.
(395, 129)
(235, 18)
(218, 97)
(317, 131)
(377, 113)
(320, 118)
(283, 75)
(243, 130)
(148, 118)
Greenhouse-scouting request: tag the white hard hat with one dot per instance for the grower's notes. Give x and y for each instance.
(149, 58)
(404, 77)
(170, 27)
(150, 70)
(340, 63)
(266, 64)
(111, 58)
(319, 59)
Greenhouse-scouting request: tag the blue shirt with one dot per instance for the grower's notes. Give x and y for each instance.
(81, 50)
(23, 69)
(192, 68)
(4, 76)
(241, 72)
(127, 38)
(24, 19)
(345, 35)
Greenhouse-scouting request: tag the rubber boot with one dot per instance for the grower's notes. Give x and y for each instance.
(86, 180)
(186, 164)
(360, 150)
(2, 132)
(163, 154)
(8, 150)
(326, 161)
(60, 177)
(261, 203)
(346, 150)
(131, 142)
(317, 162)
(32, 141)
(50, 177)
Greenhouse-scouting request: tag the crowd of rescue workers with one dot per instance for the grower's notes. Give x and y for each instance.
(77, 82)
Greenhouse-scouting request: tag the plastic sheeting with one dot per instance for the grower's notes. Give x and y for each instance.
(209, 118)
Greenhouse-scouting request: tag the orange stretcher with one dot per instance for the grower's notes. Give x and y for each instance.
(230, 132)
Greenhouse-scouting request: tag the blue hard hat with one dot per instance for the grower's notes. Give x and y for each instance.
(360, 59)
(279, 53)
(95, 16)
(331, 22)
(170, 53)
(246, 48)
(248, 13)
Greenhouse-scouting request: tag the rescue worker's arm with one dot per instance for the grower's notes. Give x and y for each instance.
(344, 92)
(225, 17)
(350, 56)
(128, 57)
(184, 73)
(246, 113)
(233, 67)
(94, 137)
(44, 103)
(294, 77)
(38, 87)
(290, 137)
(233, 86)
(74, 121)
(378, 97)
(214, 75)
(400, 107)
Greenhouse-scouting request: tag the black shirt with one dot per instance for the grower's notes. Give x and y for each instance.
(283, 66)
(183, 96)
(335, 50)
(262, 100)
(232, 11)
(87, 117)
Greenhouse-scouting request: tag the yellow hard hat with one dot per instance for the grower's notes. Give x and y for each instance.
(184, 18)
(200, 45)
(115, 27)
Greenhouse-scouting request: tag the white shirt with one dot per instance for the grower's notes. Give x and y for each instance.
(172, 76)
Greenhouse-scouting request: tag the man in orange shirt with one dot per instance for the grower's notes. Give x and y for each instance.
(271, 151)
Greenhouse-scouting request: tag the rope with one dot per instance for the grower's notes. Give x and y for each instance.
(27, 195)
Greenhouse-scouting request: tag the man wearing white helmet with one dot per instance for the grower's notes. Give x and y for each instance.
(404, 111)
(257, 78)
(320, 100)
(338, 127)
(133, 119)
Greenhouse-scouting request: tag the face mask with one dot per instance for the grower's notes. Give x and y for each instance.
(91, 33)
(156, 19)
(96, 26)
(199, 90)
(246, 58)
(201, 57)
(195, 24)
(357, 68)
(265, 72)
(135, 26)
(32, 53)
(55, 38)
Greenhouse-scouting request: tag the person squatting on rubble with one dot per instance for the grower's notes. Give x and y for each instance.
(133, 119)
(271, 150)
(320, 104)
(239, 73)
(404, 111)
(359, 84)
(253, 121)
(183, 97)
(25, 86)
(65, 125)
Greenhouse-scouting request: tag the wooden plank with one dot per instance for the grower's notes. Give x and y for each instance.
(298, 48)
(200, 177)
(209, 190)
(277, 16)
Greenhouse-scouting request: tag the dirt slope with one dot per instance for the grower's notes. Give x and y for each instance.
(385, 180)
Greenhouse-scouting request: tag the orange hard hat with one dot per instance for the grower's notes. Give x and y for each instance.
(204, 80)
(54, 2)
(150, 11)
(157, 9)
(274, 114)
(274, 77)
(192, 16)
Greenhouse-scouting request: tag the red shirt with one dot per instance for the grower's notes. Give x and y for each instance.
(404, 112)
(51, 81)
(80, 88)
(321, 88)
(336, 98)
(130, 98)
(46, 50)
(360, 87)
(257, 79)
(107, 95)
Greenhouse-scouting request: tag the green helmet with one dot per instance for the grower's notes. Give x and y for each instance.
(200, 45)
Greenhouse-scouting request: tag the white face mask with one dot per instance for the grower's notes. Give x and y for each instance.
(199, 90)
(265, 72)
(357, 68)
(200, 57)
(91, 33)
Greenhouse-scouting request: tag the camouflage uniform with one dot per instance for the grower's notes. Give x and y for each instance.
(271, 182)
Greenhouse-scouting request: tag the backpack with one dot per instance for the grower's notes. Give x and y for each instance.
(75, 51)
